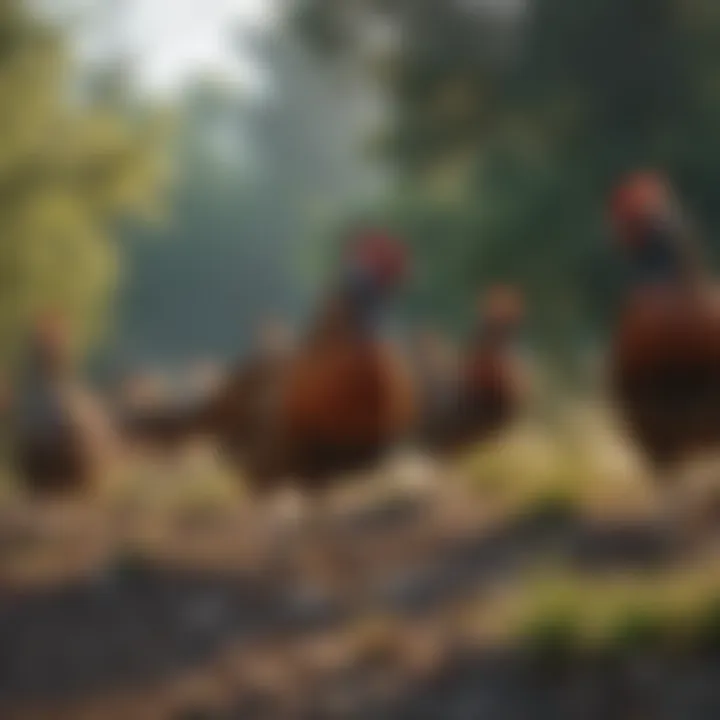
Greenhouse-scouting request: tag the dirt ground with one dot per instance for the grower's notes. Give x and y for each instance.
(226, 612)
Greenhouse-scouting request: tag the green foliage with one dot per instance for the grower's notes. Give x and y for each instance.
(674, 611)
(261, 181)
(508, 131)
(706, 626)
(68, 173)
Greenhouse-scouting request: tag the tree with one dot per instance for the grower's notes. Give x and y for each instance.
(69, 172)
(509, 129)
(263, 179)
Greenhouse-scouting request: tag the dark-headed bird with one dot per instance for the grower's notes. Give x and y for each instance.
(489, 387)
(666, 351)
(240, 415)
(347, 397)
(310, 412)
(234, 412)
(62, 437)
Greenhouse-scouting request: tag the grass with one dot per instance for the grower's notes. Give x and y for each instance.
(576, 466)
(554, 614)
(197, 485)
(707, 625)
(551, 472)
(673, 610)
(536, 467)
(554, 634)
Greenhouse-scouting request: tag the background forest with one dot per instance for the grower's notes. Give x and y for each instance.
(169, 223)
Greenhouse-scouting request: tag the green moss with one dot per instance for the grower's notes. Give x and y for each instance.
(553, 505)
(638, 628)
(705, 632)
(129, 564)
(552, 635)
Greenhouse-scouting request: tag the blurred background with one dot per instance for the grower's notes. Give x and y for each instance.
(238, 139)
(176, 173)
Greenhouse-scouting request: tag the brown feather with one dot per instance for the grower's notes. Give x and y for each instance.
(666, 371)
(75, 454)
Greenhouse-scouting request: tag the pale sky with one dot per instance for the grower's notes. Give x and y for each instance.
(170, 40)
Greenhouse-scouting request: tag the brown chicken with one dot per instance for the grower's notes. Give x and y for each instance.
(333, 404)
(346, 397)
(666, 351)
(62, 437)
(241, 415)
(233, 413)
(489, 386)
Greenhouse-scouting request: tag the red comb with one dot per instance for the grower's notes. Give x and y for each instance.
(381, 253)
(502, 303)
(640, 196)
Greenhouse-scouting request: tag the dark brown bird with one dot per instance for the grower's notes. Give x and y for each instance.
(333, 404)
(666, 351)
(62, 437)
(240, 416)
(234, 413)
(346, 397)
(489, 387)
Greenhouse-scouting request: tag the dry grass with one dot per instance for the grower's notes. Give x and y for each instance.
(579, 462)
(579, 459)
(193, 512)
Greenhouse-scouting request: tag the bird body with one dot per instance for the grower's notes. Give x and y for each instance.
(666, 370)
(63, 439)
(665, 359)
(241, 416)
(488, 390)
(328, 406)
(344, 397)
(346, 400)
(67, 449)
(491, 393)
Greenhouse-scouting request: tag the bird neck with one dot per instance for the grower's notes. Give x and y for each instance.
(666, 257)
(365, 303)
(657, 263)
(495, 336)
